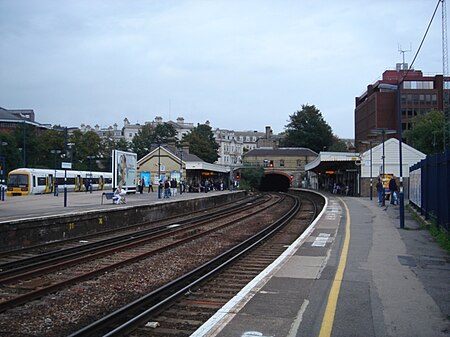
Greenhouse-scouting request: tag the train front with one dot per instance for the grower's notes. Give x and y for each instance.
(18, 183)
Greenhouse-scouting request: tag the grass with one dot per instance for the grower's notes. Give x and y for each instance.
(442, 237)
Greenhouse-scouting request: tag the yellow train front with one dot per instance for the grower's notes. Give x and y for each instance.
(24, 181)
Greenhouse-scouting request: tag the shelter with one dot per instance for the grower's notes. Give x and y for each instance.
(355, 170)
(335, 171)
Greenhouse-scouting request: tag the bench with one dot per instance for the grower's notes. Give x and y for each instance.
(108, 196)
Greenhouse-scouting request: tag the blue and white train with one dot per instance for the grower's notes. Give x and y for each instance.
(24, 181)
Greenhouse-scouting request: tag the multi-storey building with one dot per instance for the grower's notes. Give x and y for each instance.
(233, 144)
(377, 107)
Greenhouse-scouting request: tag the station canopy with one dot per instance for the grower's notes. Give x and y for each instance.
(331, 162)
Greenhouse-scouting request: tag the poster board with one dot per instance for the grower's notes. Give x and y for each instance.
(124, 170)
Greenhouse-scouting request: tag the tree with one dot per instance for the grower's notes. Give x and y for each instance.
(338, 145)
(87, 144)
(307, 128)
(148, 136)
(250, 178)
(427, 132)
(202, 143)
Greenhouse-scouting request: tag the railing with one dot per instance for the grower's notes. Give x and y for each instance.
(433, 189)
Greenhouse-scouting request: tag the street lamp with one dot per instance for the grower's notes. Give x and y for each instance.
(383, 132)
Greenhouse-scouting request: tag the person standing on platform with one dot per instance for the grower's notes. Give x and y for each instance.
(173, 187)
(380, 187)
(394, 189)
(141, 185)
(56, 192)
(150, 185)
(167, 189)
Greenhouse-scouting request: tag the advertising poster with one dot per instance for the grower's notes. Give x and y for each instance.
(125, 170)
(146, 176)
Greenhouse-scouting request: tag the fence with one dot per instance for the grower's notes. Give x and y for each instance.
(430, 188)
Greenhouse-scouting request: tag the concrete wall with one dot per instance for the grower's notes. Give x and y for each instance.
(30, 232)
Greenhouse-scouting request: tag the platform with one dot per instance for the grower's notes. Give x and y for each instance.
(356, 274)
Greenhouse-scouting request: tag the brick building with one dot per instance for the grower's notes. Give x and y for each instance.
(377, 107)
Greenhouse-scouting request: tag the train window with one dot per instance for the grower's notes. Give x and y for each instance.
(18, 180)
(41, 181)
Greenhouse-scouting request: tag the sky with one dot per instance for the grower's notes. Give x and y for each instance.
(239, 64)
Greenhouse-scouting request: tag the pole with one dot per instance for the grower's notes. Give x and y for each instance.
(400, 147)
(371, 182)
(159, 170)
(181, 171)
(65, 188)
(383, 203)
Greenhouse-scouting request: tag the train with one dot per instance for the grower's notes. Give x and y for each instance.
(25, 181)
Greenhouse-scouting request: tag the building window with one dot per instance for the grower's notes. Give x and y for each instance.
(418, 85)
(281, 162)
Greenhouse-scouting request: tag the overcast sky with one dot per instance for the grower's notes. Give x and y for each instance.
(240, 64)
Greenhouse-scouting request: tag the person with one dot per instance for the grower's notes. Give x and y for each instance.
(393, 189)
(379, 187)
(56, 192)
(167, 188)
(119, 196)
(150, 185)
(173, 187)
(141, 185)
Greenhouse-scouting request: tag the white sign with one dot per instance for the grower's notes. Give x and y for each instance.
(67, 166)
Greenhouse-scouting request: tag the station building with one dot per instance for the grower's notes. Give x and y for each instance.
(180, 165)
(283, 167)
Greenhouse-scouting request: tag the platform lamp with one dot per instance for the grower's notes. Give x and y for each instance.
(158, 140)
(55, 152)
(370, 143)
(397, 88)
(180, 152)
(383, 133)
(2, 161)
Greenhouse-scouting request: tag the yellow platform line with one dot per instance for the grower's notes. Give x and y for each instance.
(330, 310)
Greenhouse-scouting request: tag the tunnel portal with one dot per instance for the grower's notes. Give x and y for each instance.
(275, 182)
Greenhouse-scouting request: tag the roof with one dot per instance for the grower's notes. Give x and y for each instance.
(282, 151)
(191, 161)
(325, 160)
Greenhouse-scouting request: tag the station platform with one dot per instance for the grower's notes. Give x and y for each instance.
(355, 273)
(14, 208)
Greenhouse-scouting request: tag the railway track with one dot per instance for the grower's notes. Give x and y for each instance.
(181, 307)
(16, 259)
(23, 284)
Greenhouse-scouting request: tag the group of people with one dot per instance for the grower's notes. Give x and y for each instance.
(393, 191)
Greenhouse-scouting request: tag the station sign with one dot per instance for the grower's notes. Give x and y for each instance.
(66, 166)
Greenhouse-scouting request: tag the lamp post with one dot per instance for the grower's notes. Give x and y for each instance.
(397, 88)
(181, 169)
(55, 152)
(90, 170)
(383, 133)
(158, 139)
(2, 161)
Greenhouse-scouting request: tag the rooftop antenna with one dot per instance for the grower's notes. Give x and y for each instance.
(403, 51)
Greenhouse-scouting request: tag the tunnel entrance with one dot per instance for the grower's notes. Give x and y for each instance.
(274, 182)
